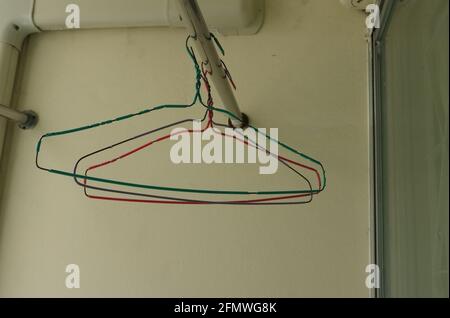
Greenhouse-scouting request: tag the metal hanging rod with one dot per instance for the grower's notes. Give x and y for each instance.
(195, 22)
(193, 19)
(26, 119)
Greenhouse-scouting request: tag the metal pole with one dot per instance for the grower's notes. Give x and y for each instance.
(26, 119)
(195, 22)
(376, 47)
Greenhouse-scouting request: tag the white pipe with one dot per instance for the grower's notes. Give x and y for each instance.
(195, 22)
(9, 57)
(228, 17)
(12, 114)
(16, 23)
(26, 119)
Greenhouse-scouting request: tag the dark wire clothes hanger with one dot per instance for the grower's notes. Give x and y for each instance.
(126, 192)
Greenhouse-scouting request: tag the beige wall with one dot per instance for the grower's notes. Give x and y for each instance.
(305, 73)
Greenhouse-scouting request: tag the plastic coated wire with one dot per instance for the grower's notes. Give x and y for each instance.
(121, 183)
(202, 201)
(184, 200)
(196, 98)
(196, 201)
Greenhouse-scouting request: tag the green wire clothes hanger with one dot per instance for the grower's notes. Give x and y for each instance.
(259, 197)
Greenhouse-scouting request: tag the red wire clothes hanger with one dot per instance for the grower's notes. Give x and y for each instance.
(286, 197)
